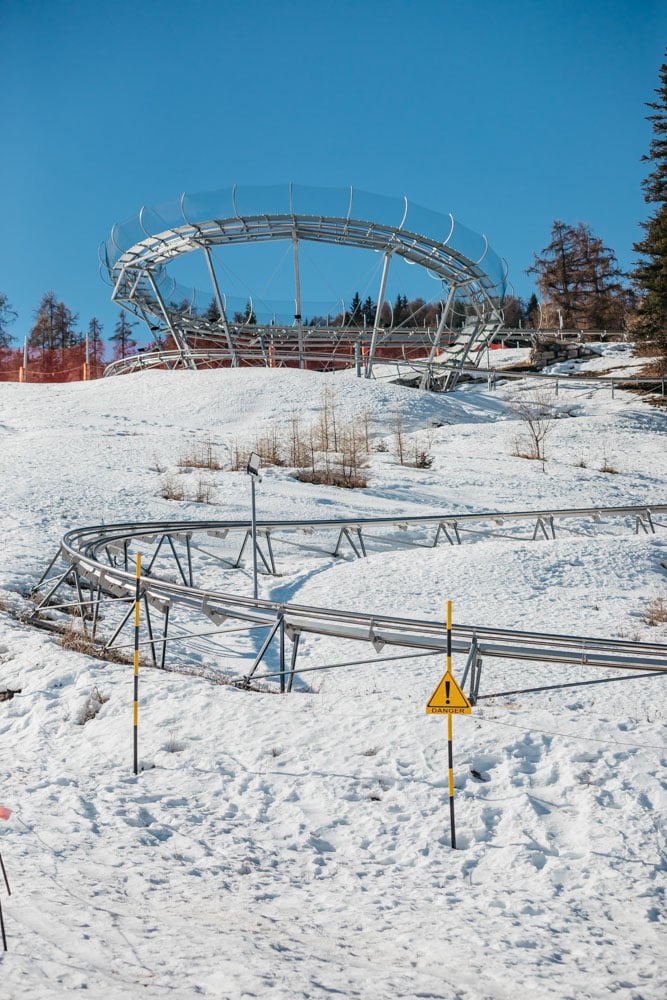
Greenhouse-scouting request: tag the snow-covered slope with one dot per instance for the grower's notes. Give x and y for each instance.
(298, 846)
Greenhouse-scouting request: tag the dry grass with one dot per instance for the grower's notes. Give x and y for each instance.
(171, 489)
(79, 642)
(331, 477)
(201, 456)
(331, 451)
(656, 611)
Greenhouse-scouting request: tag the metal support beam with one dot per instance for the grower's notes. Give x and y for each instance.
(221, 306)
(181, 342)
(426, 377)
(378, 315)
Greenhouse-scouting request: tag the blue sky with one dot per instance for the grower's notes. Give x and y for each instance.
(509, 115)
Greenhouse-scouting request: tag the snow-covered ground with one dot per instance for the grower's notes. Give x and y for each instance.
(298, 846)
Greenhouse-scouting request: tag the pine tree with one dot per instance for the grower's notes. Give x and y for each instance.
(355, 314)
(247, 317)
(650, 274)
(580, 280)
(368, 311)
(123, 336)
(212, 314)
(533, 311)
(7, 317)
(95, 344)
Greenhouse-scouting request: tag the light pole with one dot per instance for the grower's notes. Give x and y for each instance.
(253, 471)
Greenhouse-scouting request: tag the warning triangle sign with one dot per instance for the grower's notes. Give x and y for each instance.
(448, 699)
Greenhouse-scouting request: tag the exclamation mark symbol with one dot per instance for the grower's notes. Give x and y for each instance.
(447, 692)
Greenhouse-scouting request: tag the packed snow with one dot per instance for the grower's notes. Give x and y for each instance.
(298, 846)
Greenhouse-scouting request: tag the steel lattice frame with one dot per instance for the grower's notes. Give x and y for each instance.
(138, 253)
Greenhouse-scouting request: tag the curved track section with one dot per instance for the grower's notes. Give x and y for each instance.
(139, 257)
(190, 575)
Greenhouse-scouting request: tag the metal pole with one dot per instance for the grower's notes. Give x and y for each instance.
(444, 316)
(254, 540)
(137, 606)
(297, 297)
(25, 359)
(220, 305)
(378, 315)
(450, 748)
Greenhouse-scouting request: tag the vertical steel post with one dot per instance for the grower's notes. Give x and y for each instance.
(25, 359)
(444, 316)
(137, 607)
(254, 540)
(220, 305)
(297, 297)
(450, 748)
(378, 315)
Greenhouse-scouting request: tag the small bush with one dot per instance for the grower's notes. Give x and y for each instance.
(91, 706)
(205, 492)
(171, 489)
(656, 611)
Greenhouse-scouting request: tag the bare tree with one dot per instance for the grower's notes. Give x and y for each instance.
(536, 413)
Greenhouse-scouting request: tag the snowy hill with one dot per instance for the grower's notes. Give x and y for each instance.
(298, 846)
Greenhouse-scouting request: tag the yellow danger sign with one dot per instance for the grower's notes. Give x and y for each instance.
(448, 699)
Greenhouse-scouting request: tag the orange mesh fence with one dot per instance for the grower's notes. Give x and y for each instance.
(67, 364)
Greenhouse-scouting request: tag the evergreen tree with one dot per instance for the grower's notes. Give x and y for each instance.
(579, 279)
(533, 312)
(401, 310)
(212, 313)
(122, 337)
(247, 317)
(7, 317)
(95, 344)
(650, 274)
(368, 311)
(355, 314)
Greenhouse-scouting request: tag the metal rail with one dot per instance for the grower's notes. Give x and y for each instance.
(428, 372)
(100, 558)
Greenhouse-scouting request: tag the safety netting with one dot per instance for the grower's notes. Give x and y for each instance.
(45, 365)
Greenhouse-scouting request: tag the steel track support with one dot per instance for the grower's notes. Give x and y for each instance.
(180, 341)
(539, 526)
(164, 637)
(154, 556)
(265, 645)
(187, 546)
(378, 315)
(120, 628)
(82, 610)
(149, 627)
(240, 555)
(178, 561)
(443, 528)
(472, 654)
(292, 669)
(270, 548)
(46, 572)
(96, 608)
(220, 305)
(51, 592)
(426, 381)
(297, 292)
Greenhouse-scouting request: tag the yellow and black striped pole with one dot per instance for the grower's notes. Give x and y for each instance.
(137, 606)
(450, 748)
